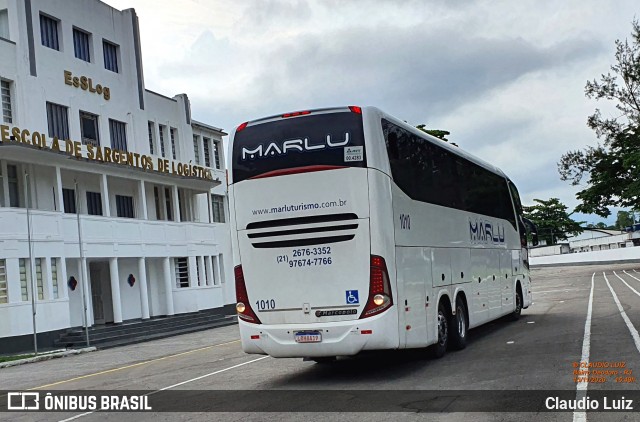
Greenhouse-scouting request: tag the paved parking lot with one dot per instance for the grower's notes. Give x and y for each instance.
(536, 353)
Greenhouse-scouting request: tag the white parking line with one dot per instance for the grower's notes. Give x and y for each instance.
(559, 290)
(635, 278)
(632, 289)
(632, 329)
(581, 388)
(178, 384)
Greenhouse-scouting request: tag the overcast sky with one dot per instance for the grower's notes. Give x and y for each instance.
(506, 78)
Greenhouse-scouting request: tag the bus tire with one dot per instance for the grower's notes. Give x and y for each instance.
(440, 348)
(459, 325)
(515, 315)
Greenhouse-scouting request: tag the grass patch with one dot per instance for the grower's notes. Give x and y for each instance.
(15, 357)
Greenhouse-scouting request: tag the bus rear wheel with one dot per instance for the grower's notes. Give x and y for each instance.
(440, 348)
(459, 326)
(515, 315)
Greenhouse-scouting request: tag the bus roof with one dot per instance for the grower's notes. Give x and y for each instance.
(439, 142)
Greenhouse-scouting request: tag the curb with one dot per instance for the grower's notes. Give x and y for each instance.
(585, 263)
(47, 357)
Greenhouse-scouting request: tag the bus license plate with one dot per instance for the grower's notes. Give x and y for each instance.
(308, 337)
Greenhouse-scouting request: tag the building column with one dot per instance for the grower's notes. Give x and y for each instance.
(144, 295)
(218, 269)
(143, 200)
(203, 281)
(168, 285)
(5, 183)
(193, 272)
(210, 280)
(210, 206)
(176, 204)
(104, 192)
(62, 280)
(115, 290)
(84, 285)
(47, 278)
(58, 189)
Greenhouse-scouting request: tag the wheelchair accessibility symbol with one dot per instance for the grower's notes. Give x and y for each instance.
(352, 297)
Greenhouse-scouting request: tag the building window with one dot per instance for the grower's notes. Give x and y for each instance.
(216, 154)
(208, 270)
(81, 42)
(39, 284)
(4, 294)
(94, 203)
(181, 210)
(207, 157)
(58, 119)
(69, 198)
(182, 271)
(198, 272)
(4, 24)
(167, 200)
(156, 196)
(89, 129)
(196, 149)
(14, 186)
(49, 32)
(217, 205)
(152, 130)
(118, 135)
(172, 133)
(24, 286)
(54, 278)
(161, 130)
(5, 90)
(110, 56)
(124, 206)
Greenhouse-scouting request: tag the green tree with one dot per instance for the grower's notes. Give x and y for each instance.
(613, 166)
(438, 133)
(552, 220)
(624, 219)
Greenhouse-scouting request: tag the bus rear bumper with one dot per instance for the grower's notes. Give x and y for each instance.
(345, 338)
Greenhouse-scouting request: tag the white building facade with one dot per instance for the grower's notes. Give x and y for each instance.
(108, 190)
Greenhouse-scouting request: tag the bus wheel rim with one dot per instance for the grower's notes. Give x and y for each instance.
(442, 329)
(462, 328)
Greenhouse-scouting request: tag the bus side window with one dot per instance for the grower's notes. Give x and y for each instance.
(392, 146)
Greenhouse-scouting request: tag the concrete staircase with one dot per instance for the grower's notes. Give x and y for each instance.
(136, 331)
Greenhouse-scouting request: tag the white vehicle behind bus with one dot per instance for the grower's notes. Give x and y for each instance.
(354, 231)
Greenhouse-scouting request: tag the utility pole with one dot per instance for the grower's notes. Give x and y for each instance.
(34, 287)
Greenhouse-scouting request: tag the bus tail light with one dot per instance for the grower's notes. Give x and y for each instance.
(296, 114)
(243, 306)
(380, 297)
(242, 127)
(355, 109)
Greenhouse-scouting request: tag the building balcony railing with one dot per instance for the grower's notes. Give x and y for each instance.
(104, 236)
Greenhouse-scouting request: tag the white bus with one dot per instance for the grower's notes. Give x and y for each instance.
(354, 231)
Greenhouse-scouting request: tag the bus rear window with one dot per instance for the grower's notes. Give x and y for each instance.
(329, 139)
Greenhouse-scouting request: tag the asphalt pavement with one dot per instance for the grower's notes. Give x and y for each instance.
(506, 363)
